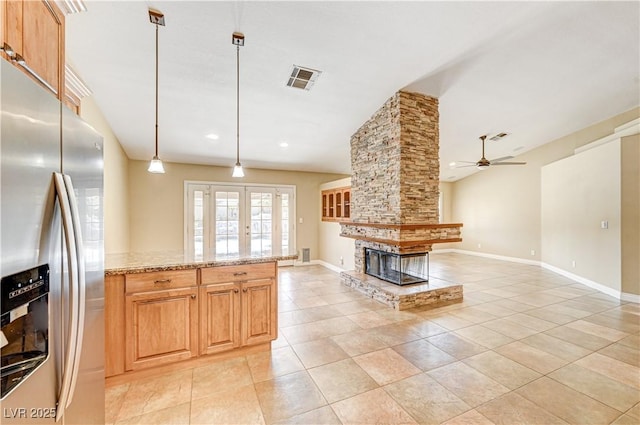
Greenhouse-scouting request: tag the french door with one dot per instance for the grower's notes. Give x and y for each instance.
(226, 221)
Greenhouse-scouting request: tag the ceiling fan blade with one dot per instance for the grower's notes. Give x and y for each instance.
(465, 162)
(465, 166)
(500, 159)
(509, 163)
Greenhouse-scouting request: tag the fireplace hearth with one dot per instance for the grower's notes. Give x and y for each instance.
(399, 269)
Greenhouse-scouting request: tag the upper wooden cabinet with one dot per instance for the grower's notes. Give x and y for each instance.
(34, 29)
(336, 204)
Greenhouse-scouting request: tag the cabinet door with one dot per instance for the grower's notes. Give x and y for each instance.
(338, 204)
(220, 322)
(325, 205)
(35, 30)
(115, 328)
(12, 22)
(346, 201)
(162, 327)
(259, 311)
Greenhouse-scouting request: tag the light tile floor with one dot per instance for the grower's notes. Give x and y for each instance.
(526, 346)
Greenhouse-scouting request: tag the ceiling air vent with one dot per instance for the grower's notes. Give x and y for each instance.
(499, 136)
(303, 78)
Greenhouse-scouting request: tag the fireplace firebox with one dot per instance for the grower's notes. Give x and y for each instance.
(399, 269)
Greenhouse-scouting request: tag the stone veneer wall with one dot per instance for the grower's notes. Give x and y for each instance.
(394, 158)
(395, 171)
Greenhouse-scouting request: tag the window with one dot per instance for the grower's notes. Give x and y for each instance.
(228, 220)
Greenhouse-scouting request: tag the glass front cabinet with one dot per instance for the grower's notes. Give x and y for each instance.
(336, 204)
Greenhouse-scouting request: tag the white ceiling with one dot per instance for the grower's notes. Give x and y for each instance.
(536, 70)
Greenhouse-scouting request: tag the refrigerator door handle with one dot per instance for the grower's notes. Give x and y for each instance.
(80, 285)
(72, 258)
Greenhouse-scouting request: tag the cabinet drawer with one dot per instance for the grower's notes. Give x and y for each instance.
(238, 273)
(154, 281)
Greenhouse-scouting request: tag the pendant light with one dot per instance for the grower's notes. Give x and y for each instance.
(155, 166)
(237, 39)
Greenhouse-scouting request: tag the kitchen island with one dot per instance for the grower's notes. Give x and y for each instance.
(167, 307)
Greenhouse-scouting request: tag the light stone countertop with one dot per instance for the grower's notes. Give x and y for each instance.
(141, 262)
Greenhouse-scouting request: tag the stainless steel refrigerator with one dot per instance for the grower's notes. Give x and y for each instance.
(51, 216)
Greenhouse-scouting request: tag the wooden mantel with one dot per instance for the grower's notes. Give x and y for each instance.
(402, 226)
(403, 236)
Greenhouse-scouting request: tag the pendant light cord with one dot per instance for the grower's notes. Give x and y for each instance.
(157, 90)
(237, 105)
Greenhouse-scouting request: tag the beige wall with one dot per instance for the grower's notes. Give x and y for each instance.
(116, 177)
(500, 207)
(446, 192)
(332, 246)
(578, 193)
(631, 215)
(157, 202)
(446, 214)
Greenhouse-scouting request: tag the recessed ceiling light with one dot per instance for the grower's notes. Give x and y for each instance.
(284, 144)
(212, 136)
(452, 164)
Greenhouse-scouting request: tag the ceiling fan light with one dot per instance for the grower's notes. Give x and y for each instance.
(155, 166)
(482, 166)
(238, 171)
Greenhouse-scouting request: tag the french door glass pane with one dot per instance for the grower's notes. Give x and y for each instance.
(198, 224)
(285, 223)
(227, 226)
(233, 220)
(261, 223)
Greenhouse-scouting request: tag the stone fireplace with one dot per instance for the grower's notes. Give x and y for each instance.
(395, 191)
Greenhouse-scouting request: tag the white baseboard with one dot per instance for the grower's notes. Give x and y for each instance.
(494, 256)
(631, 298)
(623, 296)
(318, 262)
(330, 266)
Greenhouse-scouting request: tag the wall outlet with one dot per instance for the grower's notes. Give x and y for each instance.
(604, 224)
(301, 220)
(341, 261)
(533, 252)
(573, 264)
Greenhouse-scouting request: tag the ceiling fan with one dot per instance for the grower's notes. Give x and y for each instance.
(483, 163)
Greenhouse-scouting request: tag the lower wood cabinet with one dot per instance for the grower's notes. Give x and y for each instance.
(162, 327)
(259, 311)
(239, 312)
(220, 325)
(162, 317)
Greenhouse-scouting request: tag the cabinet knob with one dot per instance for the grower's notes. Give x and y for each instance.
(193, 296)
(236, 290)
(244, 290)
